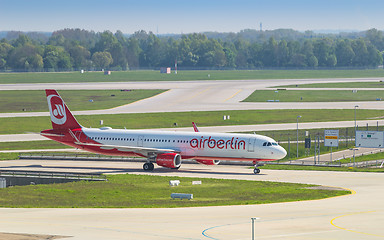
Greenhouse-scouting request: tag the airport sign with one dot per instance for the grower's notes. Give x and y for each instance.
(369, 139)
(331, 138)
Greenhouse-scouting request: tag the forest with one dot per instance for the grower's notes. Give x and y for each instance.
(76, 49)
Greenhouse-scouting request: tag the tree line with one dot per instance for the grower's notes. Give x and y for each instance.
(75, 49)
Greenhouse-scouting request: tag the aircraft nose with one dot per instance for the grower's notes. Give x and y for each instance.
(281, 153)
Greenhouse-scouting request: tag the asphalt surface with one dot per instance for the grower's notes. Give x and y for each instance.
(356, 216)
(197, 96)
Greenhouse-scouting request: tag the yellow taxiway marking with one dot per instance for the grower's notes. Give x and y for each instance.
(233, 95)
(196, 94)
(354, 231)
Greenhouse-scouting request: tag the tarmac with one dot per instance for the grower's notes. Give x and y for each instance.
(184, 96)
(355, 216)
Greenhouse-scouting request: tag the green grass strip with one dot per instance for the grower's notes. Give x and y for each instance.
(375, 84)
(129, 76)
(36, 101)
(19, 125)
(368, 157)
(25, 145)
(139, 191)
(314, 96)
(9, 156)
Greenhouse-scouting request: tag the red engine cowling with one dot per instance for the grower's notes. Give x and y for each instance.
(169, 160)
(209, 162)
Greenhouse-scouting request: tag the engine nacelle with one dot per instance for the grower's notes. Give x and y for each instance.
(169, 160)
(208, 162)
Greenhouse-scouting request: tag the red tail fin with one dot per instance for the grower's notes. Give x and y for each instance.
(61, 117)
(195, 127)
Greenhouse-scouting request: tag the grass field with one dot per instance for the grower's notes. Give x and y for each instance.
(9, 156)
(376, 84)
(314, 96)
(36, 101)
(128, 191)
(20, 125)
(369, 157)
(48, 144)
(184, 75)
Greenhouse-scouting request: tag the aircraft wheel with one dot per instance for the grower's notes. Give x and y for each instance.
(151, 166)
(256, 171)
(148, 166)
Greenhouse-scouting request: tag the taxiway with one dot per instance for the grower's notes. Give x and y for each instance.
(355, 216)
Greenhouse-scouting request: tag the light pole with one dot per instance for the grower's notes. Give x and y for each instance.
(297, 137)
(253, 226)
(356, 106)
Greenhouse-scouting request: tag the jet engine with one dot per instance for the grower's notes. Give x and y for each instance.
(169, 160)
(209, 162)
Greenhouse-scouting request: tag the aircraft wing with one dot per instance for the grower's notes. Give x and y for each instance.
(140, 150)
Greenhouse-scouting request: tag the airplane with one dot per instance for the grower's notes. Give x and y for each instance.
(165, 148)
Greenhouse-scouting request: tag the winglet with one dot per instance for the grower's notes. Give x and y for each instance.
(195, 127)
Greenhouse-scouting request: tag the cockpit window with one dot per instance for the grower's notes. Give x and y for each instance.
(270, 144)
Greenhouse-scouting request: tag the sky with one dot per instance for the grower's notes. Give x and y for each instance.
(182, 16)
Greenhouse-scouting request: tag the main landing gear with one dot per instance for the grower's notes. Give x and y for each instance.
(148, 166)
(256, 170)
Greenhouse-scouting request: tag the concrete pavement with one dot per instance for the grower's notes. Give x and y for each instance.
(356, 216)
(196, 96)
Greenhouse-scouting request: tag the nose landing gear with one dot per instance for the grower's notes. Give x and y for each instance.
(256, 170)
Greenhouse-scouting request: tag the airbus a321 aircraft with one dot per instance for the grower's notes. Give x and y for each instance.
(165, 148)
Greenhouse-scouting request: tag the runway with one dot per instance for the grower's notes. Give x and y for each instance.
(186, 96)
(356, 216)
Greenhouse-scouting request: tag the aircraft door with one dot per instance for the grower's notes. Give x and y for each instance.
(251, 144)
(140, 141)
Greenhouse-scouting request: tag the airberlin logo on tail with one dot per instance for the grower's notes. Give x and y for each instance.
(57, 109)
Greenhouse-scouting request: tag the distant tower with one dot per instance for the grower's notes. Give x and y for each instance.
(261, 27)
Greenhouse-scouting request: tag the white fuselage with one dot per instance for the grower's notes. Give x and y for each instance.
(197, 145)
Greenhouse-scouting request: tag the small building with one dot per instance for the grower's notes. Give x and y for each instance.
(165, 70)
